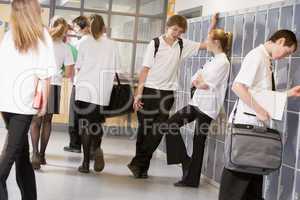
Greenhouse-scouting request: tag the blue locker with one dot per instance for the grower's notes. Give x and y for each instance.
(290, 143)
(273, 19)
(221, 23)
(235, 68)
(261, 18)
(272, 186)
(195, 66)
(297, 28)
(197, 31)
(219, 161)
(205, 27)
(230, 108)
(287, 183)
(297, 191)
(211, 147)
(286, 18)
(282, 74)
(191, 31)
(294, 103)
(249, 33)
(238, 36)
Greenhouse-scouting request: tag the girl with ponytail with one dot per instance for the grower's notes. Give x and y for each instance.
(41, 126)
(206, 103)
(98, 59)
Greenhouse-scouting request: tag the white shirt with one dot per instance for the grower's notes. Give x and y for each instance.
(215, 74)
(19, 72)
(163, 73)
(255, 73)
(63, 56)
(97, 62)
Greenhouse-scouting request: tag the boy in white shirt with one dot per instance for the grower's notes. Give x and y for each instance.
(255, 73)
(157, 82)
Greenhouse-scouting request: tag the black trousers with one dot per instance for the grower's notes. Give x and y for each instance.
(90, 127)
(75, 139)
(156, 108)
(16, 151)
(240, 186)
(176, 149)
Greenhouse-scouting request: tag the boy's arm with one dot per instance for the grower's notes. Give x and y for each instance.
(213, 25)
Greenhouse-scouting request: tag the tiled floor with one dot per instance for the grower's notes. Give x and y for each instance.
(59, 180)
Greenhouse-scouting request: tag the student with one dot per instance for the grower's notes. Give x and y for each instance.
(81, 28)
(98, 59)
(157, 82)
(207, 101)
(255, 73)
(41, 126)
(26, 55)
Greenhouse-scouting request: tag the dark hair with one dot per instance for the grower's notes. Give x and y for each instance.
(289, 36)
(97, 25)
(81, 21)
(177, 20)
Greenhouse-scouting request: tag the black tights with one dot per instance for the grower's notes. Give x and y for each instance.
(38, 123)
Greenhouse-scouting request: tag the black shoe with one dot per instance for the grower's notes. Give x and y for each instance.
(43, 159)
(135, 170)
(84, 168)
(35, 161)
(99, 163)
(72, 149)
(183, 184)
(144, 175)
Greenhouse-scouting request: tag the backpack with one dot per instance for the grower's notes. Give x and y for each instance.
(156, 45)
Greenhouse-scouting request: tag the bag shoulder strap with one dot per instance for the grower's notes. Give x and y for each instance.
(157, 42)
(156, 45)
(180, 42)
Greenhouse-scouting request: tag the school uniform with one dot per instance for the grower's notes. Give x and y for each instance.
(63, 57)
(204, 107)
(18, 77)
(97, 63)
(255, 73)
(75, 140)
(158, 95)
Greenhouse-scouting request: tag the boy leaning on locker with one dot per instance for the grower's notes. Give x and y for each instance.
(158, 80)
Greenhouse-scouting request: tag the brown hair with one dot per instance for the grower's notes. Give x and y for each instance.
(225, 39)
(81, 21)
(179, 21)
(26, 24)
(58, 28)
(289, 36)
(97, 26)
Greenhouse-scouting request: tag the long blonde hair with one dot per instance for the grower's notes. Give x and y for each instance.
(225, 39)
(26, 24)
(58, 28)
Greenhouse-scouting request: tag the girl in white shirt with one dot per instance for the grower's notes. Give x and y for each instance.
(97, 61)
(26, 55)
(63, 57)
(255, 73)
(211, 84)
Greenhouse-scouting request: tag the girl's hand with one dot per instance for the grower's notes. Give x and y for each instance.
(294, 92)
(137, 104)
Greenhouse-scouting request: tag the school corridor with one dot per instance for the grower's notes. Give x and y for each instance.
(60, 180)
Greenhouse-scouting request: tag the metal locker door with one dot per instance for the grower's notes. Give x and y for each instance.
(297, 28)
(286, 17)
(238, 36)
(248, 33)
(260, 28)
(273, 19)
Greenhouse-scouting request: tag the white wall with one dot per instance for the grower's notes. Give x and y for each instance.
(187, 4)
(212, 6)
